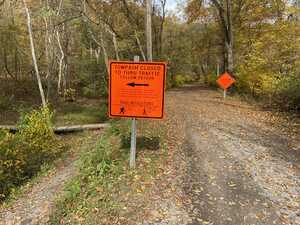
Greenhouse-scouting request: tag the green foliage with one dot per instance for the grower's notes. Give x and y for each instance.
(269, 68)
(122, 130)
(98, 161)
(4, 102)
(179, 80)
(23, 154)
(70, 95)
(78, 114)
(47, 12)
(266, 45)
(289, 91)
(104, 184)
(97, 166)
(211, 79)
(89, 77)
(88, 92)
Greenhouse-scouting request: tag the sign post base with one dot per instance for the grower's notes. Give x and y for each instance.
(133, 133)
(133, 144)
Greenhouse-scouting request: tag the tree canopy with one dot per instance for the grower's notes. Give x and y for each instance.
(257, 41)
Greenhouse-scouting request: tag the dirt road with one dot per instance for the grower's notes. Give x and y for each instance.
(237, 164)
(35, 204)
(229, 163)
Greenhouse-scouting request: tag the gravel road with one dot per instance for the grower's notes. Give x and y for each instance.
(231, 163)
(235, 164)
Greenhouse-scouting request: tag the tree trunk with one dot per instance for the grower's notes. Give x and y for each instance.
(225, 19)
(115, 45)
(47, 54)
(149, 29)
(162, 22)
(114, 39)
(33, 55)
(139, 45)
(229, 43)
(229, 53)
(104, 52)
(61, 60)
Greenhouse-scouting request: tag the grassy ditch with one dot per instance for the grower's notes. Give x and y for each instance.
(75, 113)
(106, 191)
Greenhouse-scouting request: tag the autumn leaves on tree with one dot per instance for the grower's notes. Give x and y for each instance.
(256, 41)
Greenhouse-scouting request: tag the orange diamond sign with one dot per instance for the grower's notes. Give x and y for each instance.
(225, 81)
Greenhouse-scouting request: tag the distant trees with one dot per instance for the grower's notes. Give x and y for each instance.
(257, 41)
(71, 42)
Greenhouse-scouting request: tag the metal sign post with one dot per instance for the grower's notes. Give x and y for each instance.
(133, 134)
(225, 93)
(136, 90)
(133, 144)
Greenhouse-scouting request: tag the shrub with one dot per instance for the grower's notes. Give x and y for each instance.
(281, 89)
(88, 92)
(23, 154)
(70, 95)
(289, 91)
(4, 102)
(179, 80)
(98, 160)
(212, 79)
(123, 130)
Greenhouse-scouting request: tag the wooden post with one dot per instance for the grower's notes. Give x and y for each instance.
(149, 29)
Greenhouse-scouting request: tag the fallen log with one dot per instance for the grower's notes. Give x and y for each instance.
(8, 127)
(63, 129)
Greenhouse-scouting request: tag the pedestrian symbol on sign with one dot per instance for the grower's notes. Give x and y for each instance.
(122, 110)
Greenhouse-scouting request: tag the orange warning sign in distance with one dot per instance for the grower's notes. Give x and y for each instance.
(137, 89)
(225, 81)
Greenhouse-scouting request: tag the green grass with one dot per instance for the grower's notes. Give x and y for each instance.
(85, 111)
(81, 114)
(105, 189)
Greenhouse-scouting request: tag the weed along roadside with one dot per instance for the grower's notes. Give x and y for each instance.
(35, 163)
(108, 189)
(34, 144)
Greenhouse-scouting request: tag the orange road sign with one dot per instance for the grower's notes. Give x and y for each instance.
(137, 89)
(225, 81)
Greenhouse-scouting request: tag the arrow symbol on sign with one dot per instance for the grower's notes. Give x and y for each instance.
(134, 84)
